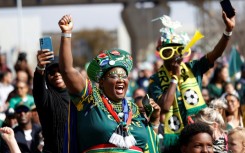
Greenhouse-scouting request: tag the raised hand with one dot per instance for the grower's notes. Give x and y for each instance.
(7, 134)
(43, 57)
(229, 22)
(66, 24)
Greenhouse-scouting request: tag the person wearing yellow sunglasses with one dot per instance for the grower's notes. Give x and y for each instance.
(176, 87)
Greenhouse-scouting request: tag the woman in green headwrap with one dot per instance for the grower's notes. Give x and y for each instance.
(176, 86)
(105, 120)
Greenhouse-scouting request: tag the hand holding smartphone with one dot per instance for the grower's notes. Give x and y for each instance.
(227, 8)
(147, 106)
(46, 43)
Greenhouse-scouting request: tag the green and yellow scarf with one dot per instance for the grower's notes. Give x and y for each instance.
(187, 92)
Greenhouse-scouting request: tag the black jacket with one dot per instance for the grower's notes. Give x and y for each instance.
(52, 108)
(22, 143)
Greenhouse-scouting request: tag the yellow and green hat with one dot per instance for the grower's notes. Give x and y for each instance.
(107, 60)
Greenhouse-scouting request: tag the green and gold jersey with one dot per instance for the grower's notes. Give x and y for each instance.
(95, 125)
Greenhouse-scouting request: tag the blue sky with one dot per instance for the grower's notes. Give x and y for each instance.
(93, 16)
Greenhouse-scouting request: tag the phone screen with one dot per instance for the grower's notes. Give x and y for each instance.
(46, 43)
(227, 7)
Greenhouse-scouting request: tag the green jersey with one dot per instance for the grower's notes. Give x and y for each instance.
(95, 125)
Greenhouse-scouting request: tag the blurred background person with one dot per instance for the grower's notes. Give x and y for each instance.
(206, 96)
(158, 127)
(22, 95)
(234, 117)
(219, 105)
(10, 120)
(21, 76)
(150, 111)
(3, 62)
(236, 140)
(145, 71)
(22, 64)
(139, 93)
(157, 64)
(215, 121)
(228, 88)
(5, 88)
(218, 80)
(240, 87)
(26, 133)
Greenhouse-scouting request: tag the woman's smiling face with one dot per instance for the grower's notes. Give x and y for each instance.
(115, 84)
(232, 103)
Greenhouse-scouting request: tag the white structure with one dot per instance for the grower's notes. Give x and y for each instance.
(124, 41)
(20, 35)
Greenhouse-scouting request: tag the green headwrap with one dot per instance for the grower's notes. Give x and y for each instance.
(107, 60)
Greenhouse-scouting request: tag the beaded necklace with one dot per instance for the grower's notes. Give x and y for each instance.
(116, 106)
(127, 115)
(121, 136)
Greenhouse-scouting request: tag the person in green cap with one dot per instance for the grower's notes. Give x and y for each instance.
(103, 120)
(176, 87)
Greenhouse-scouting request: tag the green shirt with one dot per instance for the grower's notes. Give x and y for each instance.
(198, 68)
(153, 140)
(96, 125)
(13, 102)
(214, 91)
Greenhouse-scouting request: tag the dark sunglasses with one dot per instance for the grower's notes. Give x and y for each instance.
(22, 109)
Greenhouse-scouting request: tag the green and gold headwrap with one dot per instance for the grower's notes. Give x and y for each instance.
(107, 60)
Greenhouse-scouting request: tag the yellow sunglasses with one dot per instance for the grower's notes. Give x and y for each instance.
(168, 52)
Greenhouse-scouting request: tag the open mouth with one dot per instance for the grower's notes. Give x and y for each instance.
(119, 89)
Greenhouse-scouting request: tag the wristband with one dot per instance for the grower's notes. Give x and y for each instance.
(66, 35)
(175, 77)
(226, 37)
(174, 81)
(40, 68)
(228, 34)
